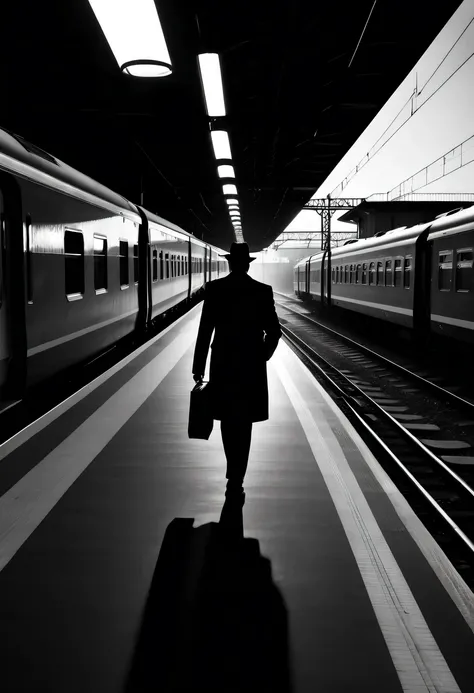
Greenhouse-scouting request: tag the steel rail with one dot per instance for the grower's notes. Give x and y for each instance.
(302, 347)
(391, 364)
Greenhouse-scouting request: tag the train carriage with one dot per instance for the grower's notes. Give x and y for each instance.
(451, 242)
(420, 277)
(80, 267)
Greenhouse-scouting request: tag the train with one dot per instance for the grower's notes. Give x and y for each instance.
(81, 267)
(420, 277)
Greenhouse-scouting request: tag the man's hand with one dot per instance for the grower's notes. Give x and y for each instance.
(198, 378)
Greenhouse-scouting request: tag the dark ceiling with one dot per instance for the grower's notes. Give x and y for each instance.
(294, 105)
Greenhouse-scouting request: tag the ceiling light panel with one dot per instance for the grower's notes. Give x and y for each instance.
(133, 31)
(225, 171)
(229, 189)
(210, 68)
(221, 144)
(232, 201)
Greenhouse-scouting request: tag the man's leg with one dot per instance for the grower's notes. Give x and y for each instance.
(236, 437)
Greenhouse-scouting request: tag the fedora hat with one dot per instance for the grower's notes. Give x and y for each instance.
(239, 252)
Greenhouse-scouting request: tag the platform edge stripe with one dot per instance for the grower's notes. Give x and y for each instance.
(8, 446)
(452, 581)
(24, 506)
(417, 659)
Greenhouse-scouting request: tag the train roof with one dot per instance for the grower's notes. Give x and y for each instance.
(177, 231)
(21, 157)
(453, 221)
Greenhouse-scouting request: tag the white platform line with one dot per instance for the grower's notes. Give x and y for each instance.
(27, 503)
(417, 658)
(26, 433)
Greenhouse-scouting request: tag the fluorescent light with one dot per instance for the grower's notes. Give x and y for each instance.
(232, 201)
(221, 144)
(229, 189)
(210, 68)
(134, 34)
(234, 215)
(225, 171)
(233, 206)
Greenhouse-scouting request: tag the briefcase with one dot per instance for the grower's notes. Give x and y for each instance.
(200, 416)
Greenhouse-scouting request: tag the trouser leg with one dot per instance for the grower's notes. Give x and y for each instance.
(236, 437)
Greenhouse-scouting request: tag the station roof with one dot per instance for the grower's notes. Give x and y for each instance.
(427, 208)
(294, 105)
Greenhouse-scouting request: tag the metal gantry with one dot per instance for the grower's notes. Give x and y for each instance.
(313, 237)
(326, 207)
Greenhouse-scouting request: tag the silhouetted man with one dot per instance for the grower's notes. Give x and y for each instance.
(242, 313)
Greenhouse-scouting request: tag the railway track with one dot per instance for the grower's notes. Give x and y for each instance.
(423, 434)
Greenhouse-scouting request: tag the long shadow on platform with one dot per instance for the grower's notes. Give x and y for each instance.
(214, 620)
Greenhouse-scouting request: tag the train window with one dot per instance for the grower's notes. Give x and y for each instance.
(74, 263)
(162, 269)
(359, 274)
(346, 274)
(407, 272)
(388, 273)
(167, 265)
(464, 275)
(351, 274)
(178, 265)
(364, 273)
(100, 264)
(445, 270)
(380, 281)
(337, 275)
(333, 275)
(155, 265)
(372, 276)
(135, 264)
(397, 272)
(123, 263)
(182, 264)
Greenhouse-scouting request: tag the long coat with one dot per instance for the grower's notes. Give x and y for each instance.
(242, 313)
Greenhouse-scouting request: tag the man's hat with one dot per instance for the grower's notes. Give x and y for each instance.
(239, 252)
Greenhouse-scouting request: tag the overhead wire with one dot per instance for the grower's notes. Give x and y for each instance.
(362, 34)
(370, 154)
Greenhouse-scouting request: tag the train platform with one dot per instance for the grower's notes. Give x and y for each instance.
(122, 569)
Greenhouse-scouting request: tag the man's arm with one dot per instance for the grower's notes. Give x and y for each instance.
(271, 326)
(206, 328)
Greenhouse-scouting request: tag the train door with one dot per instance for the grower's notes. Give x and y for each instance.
(323, 277)
(12, 292)
(4, 332)
(307, 276)
(422, 286)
